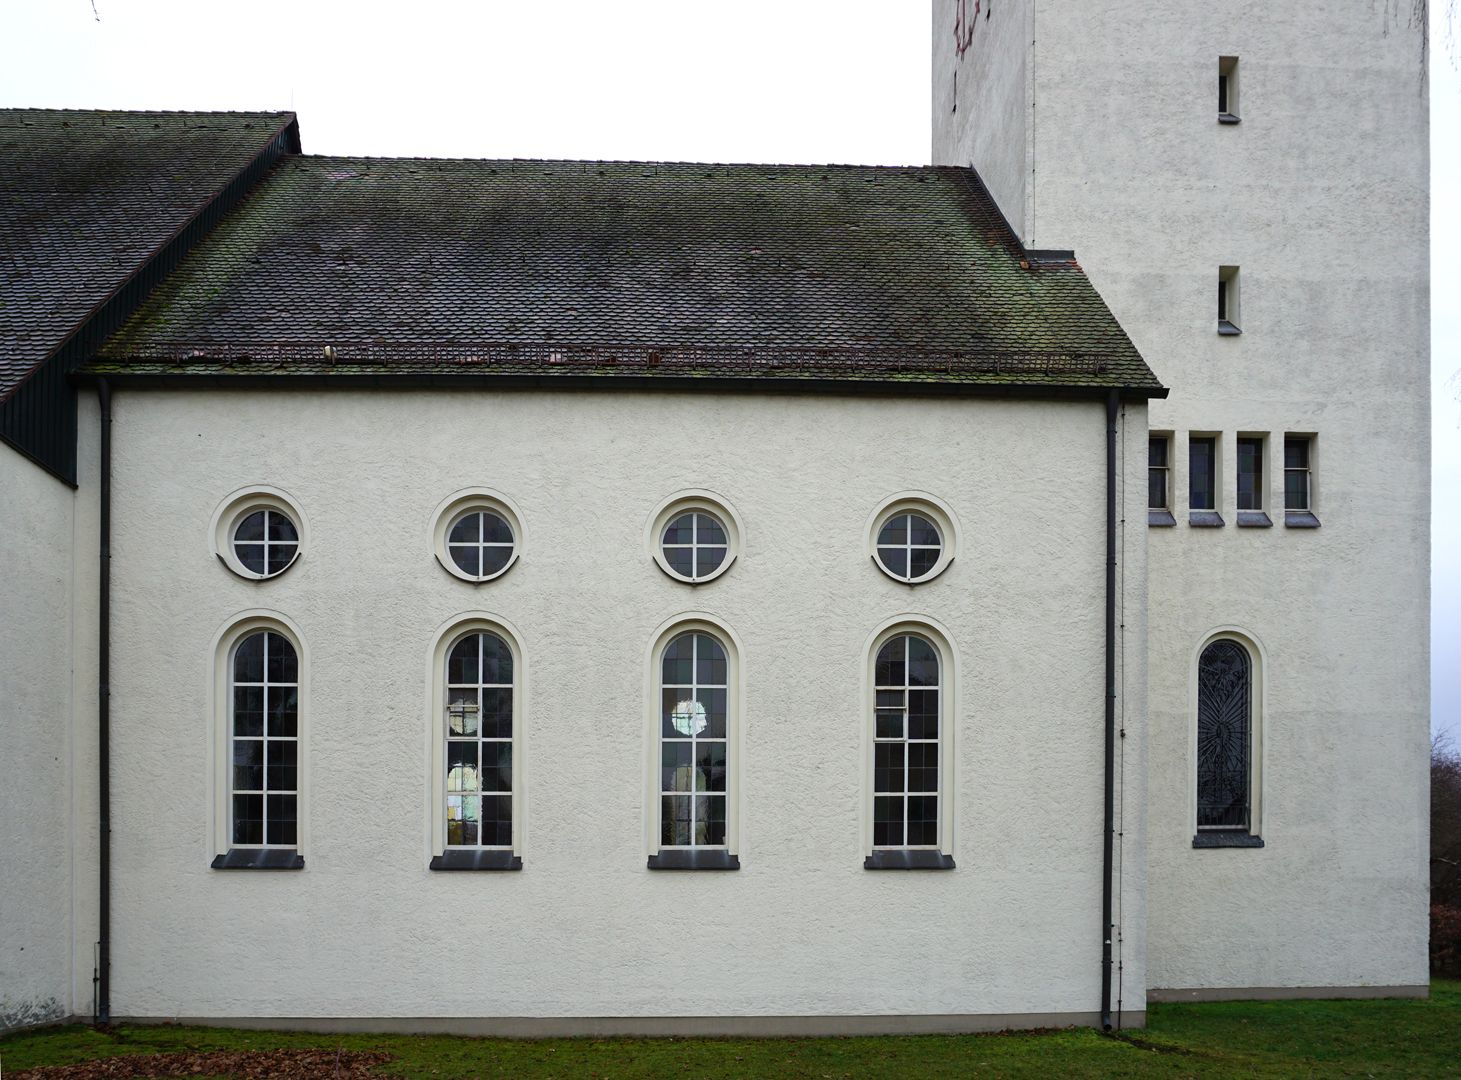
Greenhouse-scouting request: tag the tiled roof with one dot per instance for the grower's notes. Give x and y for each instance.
(86, 196)
(363, 265)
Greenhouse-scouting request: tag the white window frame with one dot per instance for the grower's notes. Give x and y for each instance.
(935, 634)
(446, 636)
(696, 500)
(238, 505)
(475, 500)
(703, 623)
(223, 646)
(927, 506)
(1257, 745)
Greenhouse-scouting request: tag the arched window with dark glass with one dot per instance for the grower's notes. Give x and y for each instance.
(907, 762)
(479, 736)
(1224, 737)
(264, 733)
(694, 703)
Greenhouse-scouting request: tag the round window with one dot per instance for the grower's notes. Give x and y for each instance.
(695, 545)
(480, 544)
(265, 542)
(694, 536)
(477, 534)
(259, 533)
(912, 537)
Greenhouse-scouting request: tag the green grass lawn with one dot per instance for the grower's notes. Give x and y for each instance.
(1228, 1039)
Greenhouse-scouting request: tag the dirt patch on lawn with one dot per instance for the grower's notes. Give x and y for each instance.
(243, 1064)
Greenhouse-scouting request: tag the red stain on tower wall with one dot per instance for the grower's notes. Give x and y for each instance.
(966, 17)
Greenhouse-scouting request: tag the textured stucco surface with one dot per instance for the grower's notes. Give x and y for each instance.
(1320, 196)
(35, 716)
(585, 930)
(983, 103)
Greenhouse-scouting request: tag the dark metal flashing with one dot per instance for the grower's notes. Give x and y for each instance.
(259, 859)
(694, 859)
(475, 859)
(1160, 519)
(1227, 328)
(908, 859)
(1228, 118)
(1254, 519)
(1221, 839)
(1205, 519)
(719, 384)
(1300, 519)
(1041, 256)
(38, 415)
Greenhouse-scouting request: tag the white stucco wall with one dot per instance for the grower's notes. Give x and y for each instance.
(983, 101)
(585, 930)
(35, 714)
(1320, 196)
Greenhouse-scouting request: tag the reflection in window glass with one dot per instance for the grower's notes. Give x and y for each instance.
(1157, 472)
(479, 722)
(694, 544)
(480, 543)
(1296, 476)
(265, 542)
(694, 684)
(1250, 474)
(909, 546)
(264, 707)
(906, 744)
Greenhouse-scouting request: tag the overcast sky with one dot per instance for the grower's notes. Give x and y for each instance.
(753, 80)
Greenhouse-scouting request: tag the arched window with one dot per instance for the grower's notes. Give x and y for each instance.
(263, 751)
(479, 721)
(1224, 738)
(694, 786)
(906, 744)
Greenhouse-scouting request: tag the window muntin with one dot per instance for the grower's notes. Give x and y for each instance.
(695, 545)
(1202, 473)
(693, 743)
(480, 543)
(907, 743)
(1158, 472)
(909, 546)
(1224, 737)
(265, 542)
(1297, 477)
(479, 721)
(264, 741)
(1250, 474)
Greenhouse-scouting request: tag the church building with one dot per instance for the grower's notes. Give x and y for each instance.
(576, 597)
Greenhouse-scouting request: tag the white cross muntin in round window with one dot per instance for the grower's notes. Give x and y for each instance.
(259, 533)
(694, 537)
(477, 534)
(912, 538)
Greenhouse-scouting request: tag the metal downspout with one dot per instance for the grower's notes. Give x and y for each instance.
(1107, 929)
(103, 717)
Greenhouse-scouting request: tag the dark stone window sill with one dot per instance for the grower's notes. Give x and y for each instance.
(259, 859)
(1300, 519)
(1205, 519)
(1227, 329)
(1224, 839)
(476, 859)
(1160, 518)
(694, 859)
(1253, 519)
(1228, 118)
(908, 859)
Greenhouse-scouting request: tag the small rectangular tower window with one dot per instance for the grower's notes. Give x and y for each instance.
(1202, 473)
(1227, 89)
(1227, 300)
(1159, 480)
(1298, 482)
(1251, 482)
